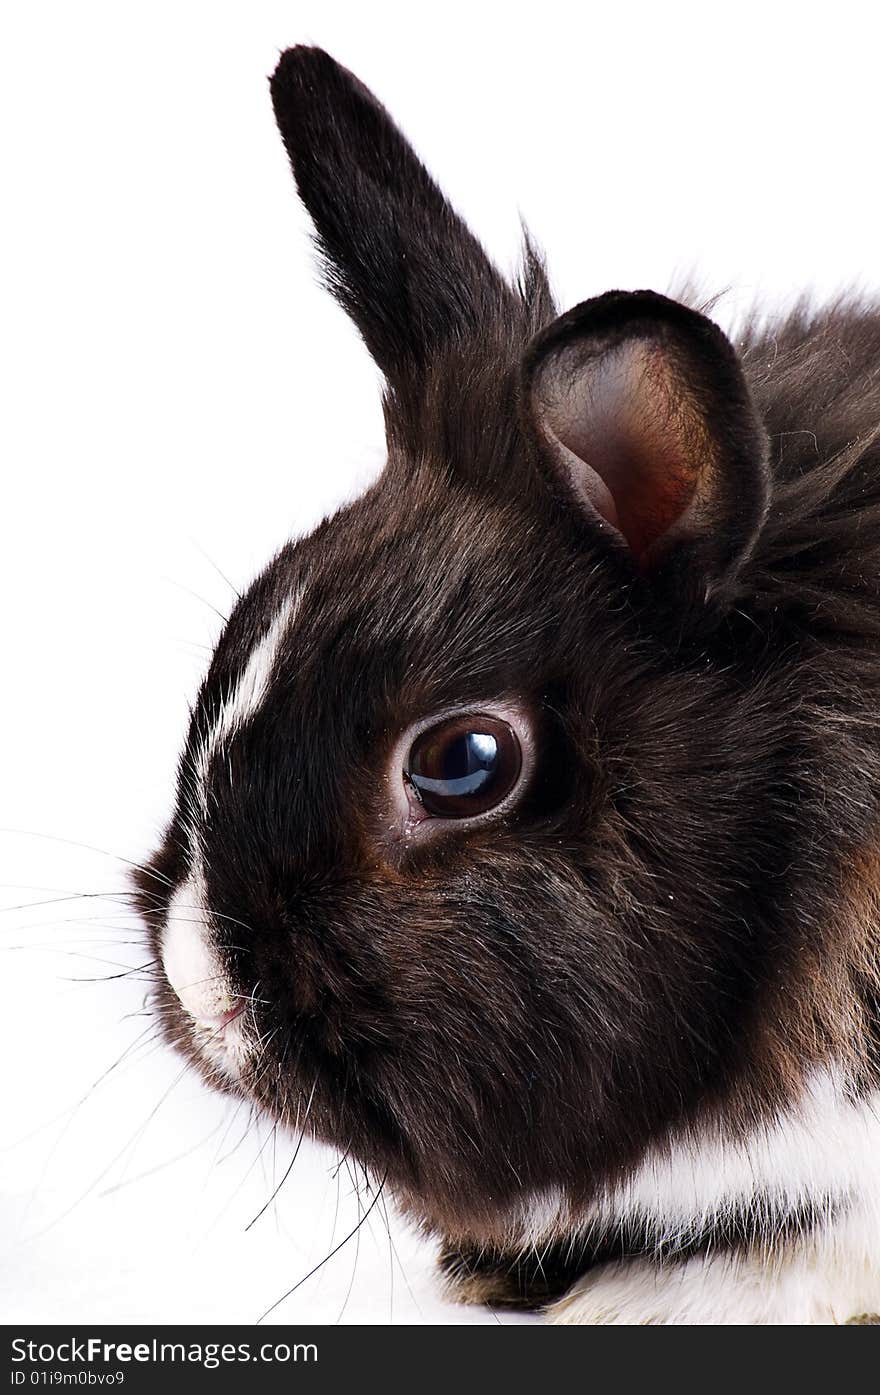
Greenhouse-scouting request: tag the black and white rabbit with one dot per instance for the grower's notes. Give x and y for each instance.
(527, 838)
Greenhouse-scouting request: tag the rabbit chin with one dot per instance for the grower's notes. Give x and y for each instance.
(711, 1212)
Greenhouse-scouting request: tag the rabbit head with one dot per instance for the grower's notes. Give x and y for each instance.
(474, 797)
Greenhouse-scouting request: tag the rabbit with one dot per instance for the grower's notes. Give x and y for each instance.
(526, 844)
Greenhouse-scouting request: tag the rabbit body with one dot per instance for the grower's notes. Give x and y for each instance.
(527, 840)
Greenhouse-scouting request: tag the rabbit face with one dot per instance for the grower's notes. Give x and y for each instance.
(338, 938)
(481, 998)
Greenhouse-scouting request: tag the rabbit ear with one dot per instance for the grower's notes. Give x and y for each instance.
(640, 407)
(398, 259)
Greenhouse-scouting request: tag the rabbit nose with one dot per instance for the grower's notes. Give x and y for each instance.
(191, 966)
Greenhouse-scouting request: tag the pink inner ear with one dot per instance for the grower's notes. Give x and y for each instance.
(631, 442)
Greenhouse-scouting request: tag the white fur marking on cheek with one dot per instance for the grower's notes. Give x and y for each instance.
(249, 692)
(191, 966)
(195, 972)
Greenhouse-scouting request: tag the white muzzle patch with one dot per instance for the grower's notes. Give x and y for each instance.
(195, 971)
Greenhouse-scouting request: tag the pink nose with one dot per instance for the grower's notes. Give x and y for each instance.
(218, 1024)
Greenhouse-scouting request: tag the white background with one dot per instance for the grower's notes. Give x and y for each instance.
(179, 397)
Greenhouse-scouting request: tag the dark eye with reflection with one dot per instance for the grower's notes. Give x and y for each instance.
(464, 766)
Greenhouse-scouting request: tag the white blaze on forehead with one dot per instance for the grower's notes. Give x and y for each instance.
(248, 693)
(192, 965)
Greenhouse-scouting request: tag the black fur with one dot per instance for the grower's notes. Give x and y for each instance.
(677, 921)
(405, 267)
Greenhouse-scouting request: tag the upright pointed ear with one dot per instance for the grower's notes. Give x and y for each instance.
(641, 412)
(397, 257)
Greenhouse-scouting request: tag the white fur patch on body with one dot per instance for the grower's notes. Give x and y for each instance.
(824, 1152)
(827, 1280)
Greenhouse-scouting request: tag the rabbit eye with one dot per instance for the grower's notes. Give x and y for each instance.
(464, 766)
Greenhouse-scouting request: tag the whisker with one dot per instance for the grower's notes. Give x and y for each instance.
(127, 1149)
(195, 595)
(357, 1251)
(264, 1145)
(253, 1117)
(60, 900)
(89, 847)
(72, 1108)
(228, 1122)
(160, 1167)
(212, 563)
(264, 1208)
(110, 978)
(325, 1260)
(397, 1258)
(60, 946)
